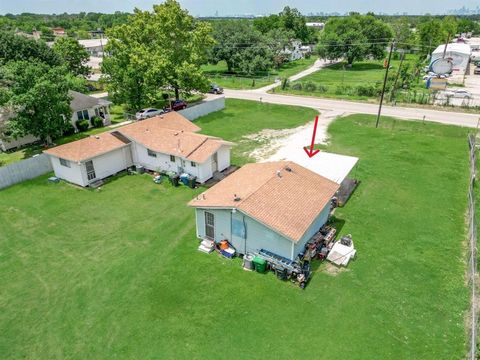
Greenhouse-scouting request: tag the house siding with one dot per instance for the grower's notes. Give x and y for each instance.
(258, 236)
(105, 165)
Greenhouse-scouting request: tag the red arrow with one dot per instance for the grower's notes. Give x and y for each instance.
(311, 152)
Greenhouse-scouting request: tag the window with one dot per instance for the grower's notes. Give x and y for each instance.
(194, 164)
(151, 153)
(172, 158)
(83, 115)
(97, 113)
(64, 162)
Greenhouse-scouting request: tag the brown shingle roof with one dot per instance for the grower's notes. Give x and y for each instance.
(87, 148)
(169, 133)
(173, 135)
(288, 203)
(171, 120)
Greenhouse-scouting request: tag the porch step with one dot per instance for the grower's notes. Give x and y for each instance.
(206, 246)
(96, 184)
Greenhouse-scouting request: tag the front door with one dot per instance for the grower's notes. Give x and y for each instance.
(90, 170)
(209, 225)
(214, 162)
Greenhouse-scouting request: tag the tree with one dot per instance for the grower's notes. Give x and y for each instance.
(242, 47)
(38, 96)
(156, 50)
(433, 32)
(17, 47)
(73, 55)
(354, 37)
(403, 34)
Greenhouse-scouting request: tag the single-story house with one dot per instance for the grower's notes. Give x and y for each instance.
(168, 142)
(84, 107)
(276, 206)
(458, 52)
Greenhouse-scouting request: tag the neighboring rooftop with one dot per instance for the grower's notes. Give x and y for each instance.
(282, 195)
(173, 134)
(82, 102)
(454, 47)
(88, 148)
(169, 133)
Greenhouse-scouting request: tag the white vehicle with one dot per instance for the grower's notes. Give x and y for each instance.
(147, 113)
(460, 94)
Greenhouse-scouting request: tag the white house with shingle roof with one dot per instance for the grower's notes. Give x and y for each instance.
(167, 142)
(276, 206)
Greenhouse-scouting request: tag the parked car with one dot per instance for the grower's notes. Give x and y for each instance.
(215, 89)
(147, 113)
(458, 93)
(476, 71)
(178, 105)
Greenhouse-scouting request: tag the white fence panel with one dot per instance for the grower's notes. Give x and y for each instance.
(24, 170)
(204, 108)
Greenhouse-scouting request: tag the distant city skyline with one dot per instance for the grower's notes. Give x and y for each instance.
(245, 7)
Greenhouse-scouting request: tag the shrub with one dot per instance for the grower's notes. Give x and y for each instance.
(296, 86)
(69, 130)
(82, 125)
(322, 88)
(344, 90)
(366, 90)
(310, 86)
(96, 121)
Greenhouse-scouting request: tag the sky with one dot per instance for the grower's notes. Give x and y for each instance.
(235, 7)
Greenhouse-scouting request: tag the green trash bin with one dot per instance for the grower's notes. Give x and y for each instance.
(260, 264)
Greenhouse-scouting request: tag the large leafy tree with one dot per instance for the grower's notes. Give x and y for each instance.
(403, 34)
(16, 47)
(157, 50)
(433, 32)
(73, 55)
(37, 95)
(243, 48)
(354, 38)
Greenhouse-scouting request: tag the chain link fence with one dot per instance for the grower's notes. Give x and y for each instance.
(472, 251)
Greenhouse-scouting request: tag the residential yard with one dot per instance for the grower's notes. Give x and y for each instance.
(242, 118)
(115, 273)
(340, 82)
(218, 74)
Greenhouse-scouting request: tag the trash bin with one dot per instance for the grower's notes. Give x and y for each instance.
(248, 262)
(140, 169)
(192, 181)
(184, 179)
(260, 264)
(175, 179)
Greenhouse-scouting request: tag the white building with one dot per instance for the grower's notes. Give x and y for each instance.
(459, 53)
(95, 47)
(164, 143)
(316, 25)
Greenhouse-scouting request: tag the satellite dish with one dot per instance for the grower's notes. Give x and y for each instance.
(441, 66)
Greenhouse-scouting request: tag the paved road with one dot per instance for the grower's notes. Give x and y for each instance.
(350, 107)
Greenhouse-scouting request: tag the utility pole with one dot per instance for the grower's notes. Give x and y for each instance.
(396, 77)
(384, 83)
(446, 45)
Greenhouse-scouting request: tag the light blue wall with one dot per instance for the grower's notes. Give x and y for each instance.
(258, 236)
(321, 219)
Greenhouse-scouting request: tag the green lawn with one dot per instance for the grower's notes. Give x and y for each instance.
(219, 74)
(114, 273)
(339, 76)
(242, 117)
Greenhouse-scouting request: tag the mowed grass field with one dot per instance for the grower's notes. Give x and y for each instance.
(362, 73)
(242, 117)
(115, 273)
(218, 74)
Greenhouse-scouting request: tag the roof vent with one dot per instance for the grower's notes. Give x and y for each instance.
(203, 195)
(279, 173)
(176, 134)
(97, 137)
(288, 168)
(236, 198)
